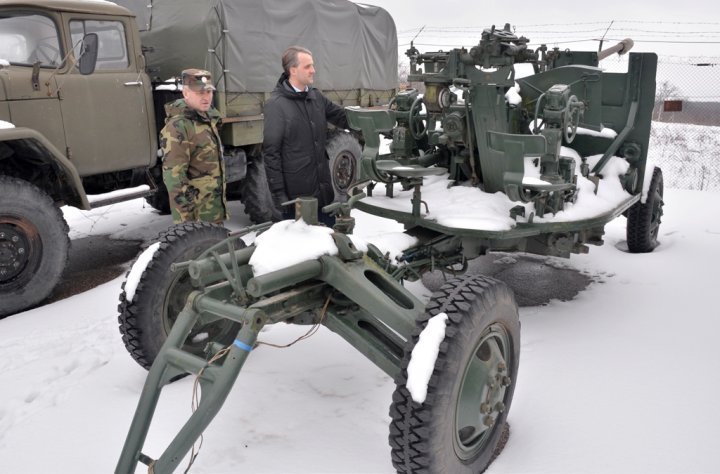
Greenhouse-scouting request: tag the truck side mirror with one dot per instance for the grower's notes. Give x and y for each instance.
(88, 54)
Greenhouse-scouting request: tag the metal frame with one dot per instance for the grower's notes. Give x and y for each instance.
(364, 305)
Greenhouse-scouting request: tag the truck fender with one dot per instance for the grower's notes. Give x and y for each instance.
(34, 145)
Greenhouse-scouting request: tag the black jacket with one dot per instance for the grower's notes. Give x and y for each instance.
(294, 141)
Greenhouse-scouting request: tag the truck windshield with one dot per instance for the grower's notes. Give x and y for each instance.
(26, 39)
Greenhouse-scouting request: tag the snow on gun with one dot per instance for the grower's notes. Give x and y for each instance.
(536, 164)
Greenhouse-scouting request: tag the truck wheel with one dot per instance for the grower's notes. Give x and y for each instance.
(33, 245)
(461, 424)
(345, 153)
(643, 219)
(160, 295)
(159, 200)
(255, 193)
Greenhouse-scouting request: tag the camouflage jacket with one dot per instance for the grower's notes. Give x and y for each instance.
(193, 167)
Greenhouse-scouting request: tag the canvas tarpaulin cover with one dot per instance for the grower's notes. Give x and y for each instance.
(241, 41)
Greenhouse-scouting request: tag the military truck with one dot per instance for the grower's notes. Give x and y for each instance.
(82, 89)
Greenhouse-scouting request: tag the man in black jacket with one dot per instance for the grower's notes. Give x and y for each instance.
(296, 117)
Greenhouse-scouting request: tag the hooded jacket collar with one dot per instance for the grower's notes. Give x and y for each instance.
(284, 88)
(179, 107)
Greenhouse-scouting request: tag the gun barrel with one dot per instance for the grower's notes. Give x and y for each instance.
(621, 48)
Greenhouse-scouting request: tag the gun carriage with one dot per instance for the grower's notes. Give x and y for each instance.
(533, 150)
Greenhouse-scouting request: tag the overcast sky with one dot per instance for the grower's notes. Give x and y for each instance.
(652, 22)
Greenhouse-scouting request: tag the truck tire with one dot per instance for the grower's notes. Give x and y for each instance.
(34, 245)
(643, 219)
(255, 194)
(344, 153)
(160, 295)
(461, 424)
(159, 200)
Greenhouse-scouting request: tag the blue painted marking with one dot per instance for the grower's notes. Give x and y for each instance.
(242, 345)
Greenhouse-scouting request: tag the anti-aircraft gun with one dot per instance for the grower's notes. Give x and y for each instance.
(480, 124)
(480, 162)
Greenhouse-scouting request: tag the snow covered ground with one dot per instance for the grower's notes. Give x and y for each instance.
(622, 379)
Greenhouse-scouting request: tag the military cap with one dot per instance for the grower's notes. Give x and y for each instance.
(197, 80)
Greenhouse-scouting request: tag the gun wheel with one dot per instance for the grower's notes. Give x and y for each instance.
(643, 219)
(146, 319)
(345, 153)
(461, 425)
(417, 120)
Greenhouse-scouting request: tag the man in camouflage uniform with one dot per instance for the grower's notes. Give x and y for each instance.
(193, 168)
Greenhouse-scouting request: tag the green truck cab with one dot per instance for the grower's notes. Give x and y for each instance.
(82, 91)
(74, 125)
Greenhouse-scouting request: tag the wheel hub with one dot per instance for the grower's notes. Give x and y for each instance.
(481, 400)
(14, 254)
(207, 328)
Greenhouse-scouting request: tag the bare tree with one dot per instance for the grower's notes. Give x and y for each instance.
(666, 90)
(403, 71)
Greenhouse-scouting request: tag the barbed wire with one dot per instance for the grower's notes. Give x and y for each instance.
(431, 34)
(572, 32)
(566, 41)
(602, 25)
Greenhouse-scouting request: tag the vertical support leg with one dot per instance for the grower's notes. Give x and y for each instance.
(416, 199)
(216, 381)
(156, 379)
(215, 390)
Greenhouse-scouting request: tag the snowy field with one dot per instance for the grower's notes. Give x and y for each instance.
(687, 154)
(622, 379)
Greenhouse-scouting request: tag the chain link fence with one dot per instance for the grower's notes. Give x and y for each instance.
(685, 137)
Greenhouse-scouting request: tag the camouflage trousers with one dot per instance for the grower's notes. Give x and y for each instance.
(201, 200)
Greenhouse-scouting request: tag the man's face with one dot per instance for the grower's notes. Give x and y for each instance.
(303, 74)
(198, 100)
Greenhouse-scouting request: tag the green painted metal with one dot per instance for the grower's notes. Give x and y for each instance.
(349, 293)
(477, 410)
(28, 138)
(521, 230)
(483, 137)
(215, 381)
(241, 131)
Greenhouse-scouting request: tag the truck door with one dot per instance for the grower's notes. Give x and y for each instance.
(108, 114)
(30, 41)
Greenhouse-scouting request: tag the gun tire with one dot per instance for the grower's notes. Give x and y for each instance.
(643, 219)
(255, 194)
(344, 153)
(147, 319)
(472, 382)
(34, 245)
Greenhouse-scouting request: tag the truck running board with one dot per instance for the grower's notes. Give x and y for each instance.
(114, 197)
